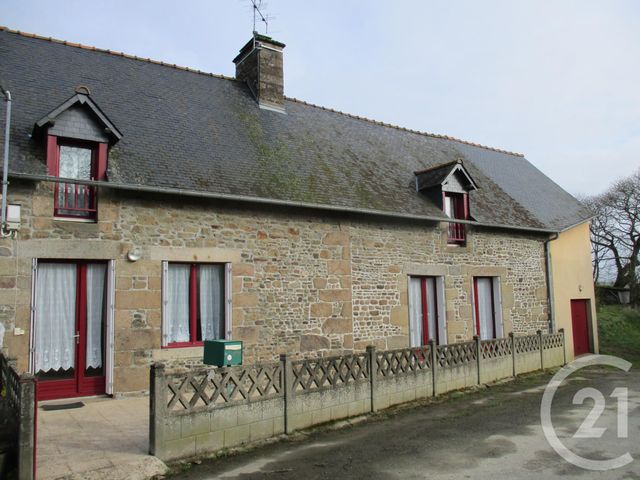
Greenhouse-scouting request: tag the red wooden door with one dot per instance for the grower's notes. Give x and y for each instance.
(85, 373)
(579, 322)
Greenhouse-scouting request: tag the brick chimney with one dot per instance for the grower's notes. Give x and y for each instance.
(259, 64)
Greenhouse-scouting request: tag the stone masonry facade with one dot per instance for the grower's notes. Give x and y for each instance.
(303, 283)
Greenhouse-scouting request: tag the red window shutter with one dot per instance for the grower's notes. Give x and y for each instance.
(425, 311)
(101, 168)
(465, 201)
(52, 155)
(476, 306)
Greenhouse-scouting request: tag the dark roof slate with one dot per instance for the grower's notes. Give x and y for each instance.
(187, 130)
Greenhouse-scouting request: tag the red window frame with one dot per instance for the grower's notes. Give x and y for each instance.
(425, 308)
(98, 172)
(194, 325)
(456, 231)
(476, 306)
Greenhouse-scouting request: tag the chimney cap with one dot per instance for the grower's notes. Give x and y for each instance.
(267, 39)
(251, 44)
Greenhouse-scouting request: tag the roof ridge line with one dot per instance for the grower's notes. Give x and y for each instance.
(225, 77)
(405, 129)
(113, 52)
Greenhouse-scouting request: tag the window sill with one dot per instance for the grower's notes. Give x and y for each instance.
(183, 345)
(75, 220)
(164, 354)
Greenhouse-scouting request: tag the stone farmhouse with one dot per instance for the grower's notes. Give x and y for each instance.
(152, 206)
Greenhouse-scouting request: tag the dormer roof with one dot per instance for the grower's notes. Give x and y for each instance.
(82, 103)
(442, 175)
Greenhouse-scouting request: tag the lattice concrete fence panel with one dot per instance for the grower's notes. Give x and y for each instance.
(205, 409)
(327, 389)
(553, 352)
(456, 366)
(403, 376)
(496, 359)
(528, 358)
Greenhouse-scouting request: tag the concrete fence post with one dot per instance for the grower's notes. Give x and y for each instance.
(373, 374)
(564, 347)
(157, 409)
(476, 339)
(27, 428)
(512, 338)
(287, 388)
(433, 351)
(539, 332)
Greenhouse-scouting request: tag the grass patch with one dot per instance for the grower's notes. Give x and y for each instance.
(619, 331)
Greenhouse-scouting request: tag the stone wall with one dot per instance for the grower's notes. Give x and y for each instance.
(303, 283)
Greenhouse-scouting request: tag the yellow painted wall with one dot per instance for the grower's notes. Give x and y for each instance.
(572, 278)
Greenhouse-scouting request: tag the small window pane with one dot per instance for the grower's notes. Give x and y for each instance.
(449, 209)
(96, 310)
(485, 308)
(415, 311)
(75, 162)
(178, 303)
(211, 293)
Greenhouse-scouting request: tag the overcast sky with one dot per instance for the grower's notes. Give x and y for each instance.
(556, 80)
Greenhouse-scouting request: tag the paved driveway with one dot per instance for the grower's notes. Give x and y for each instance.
(491, 434)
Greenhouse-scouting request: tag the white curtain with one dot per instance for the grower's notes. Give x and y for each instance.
(415, 311)
(55, 317)
(485, 309)
(211, 279)
(178, 303)
(497, 307)
(432, 307)
(75, 162)
(96, 274)
(449, 206)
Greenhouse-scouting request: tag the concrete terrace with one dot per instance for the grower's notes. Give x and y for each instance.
(105, 438)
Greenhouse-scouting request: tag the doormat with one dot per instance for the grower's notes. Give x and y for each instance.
(62, 406)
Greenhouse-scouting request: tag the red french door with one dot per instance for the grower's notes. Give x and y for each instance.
(70, 321)
(580, 324)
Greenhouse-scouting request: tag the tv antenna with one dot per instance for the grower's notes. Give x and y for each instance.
(258, 15)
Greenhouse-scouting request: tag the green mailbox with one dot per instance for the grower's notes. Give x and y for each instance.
(222, 352)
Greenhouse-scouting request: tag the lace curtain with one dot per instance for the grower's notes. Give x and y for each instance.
(96, 283)
(211, 279)
(485, 308)
(55, 317)
(432, 307)
(178, 303)
(416, 322)
(415, 311)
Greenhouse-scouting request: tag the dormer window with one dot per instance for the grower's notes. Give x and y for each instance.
(77, 138)
(448, 185)
(76, 161)
(456, 205)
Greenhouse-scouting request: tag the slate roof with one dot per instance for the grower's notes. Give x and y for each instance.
(187, 130)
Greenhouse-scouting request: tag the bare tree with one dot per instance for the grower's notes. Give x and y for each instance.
(615, 234)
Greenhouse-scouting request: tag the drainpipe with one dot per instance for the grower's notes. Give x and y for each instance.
(5, 164)
(549, 278)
